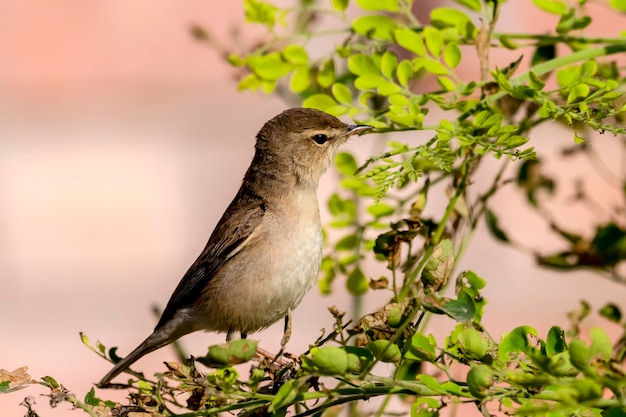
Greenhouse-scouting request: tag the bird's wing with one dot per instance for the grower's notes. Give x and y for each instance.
(241, 219)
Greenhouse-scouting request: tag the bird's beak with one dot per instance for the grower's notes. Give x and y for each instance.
(357, 129)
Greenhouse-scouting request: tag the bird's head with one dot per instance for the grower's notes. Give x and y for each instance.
(303, 141)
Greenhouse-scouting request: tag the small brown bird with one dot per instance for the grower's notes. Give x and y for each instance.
(265, 251)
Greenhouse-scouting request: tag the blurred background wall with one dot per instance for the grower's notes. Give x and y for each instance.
(122, 140)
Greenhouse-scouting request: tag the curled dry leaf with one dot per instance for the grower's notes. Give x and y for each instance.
(16, 378)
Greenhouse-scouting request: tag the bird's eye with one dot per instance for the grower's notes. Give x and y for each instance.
(320, 138)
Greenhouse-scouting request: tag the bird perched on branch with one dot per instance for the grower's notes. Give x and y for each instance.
(265, 251)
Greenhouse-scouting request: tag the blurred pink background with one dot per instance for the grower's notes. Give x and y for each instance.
(122, 140)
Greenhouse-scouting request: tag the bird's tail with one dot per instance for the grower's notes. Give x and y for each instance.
(160, 337)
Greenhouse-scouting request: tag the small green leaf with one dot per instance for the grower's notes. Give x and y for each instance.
(536, 82)
(342, 93)
(271, 66)
(494, 227)
(346, 164)
(383, 5)
(388, 64)
(347, 243)
(555, 342)
(422, 348)
(578, 92)
(300, 80)
(410, 41)
(479, 379)
(517, 341)
(600, 344)
(339, 5)
(284, 397)
(326, 74)
(430, 65)
(319, 101)
(619, 5)
(404, 72)
(446, 83)
(91, 399)
(611, 312)
(452, 55)
(368, 82)
(361, 64)
(260, 12)
(447, 17)
(328, 360)
(474, 5)
(375, 27)
(434, 41)
(579, 353)
(380, 210)
(296, 55)
(384, 350)
(357, 283)
(229, 353)
(462, 309)
(552, 6)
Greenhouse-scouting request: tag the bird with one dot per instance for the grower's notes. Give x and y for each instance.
(266, 250)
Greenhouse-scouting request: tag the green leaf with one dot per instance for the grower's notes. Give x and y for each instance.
(410, 41)
(579, 354)
(600, 344)
(375, 27)
(439, 267)
(319, 101)
(446, 83)
(578, 92)
(384, 350)
(462, 309)
(388, 64)
(422, 348)
(326, 74)
(536, 82)
(347, 243)
(517, 341)
(368, 82)
(332, 360)
(271, 66)
(380, 210)
(404, 72)
(555, 342)
(479, 379)
(452, 55)
(611, 312)
(388, 88)
(494, 227)
(229, 353)
(296, 55)
(300, 80)
(260, 12)
(434, 41)
(447, 17)
(357, 283)
(342, 93)
(91, 399)
(361, 64)
(384, 5)
(552, 6)
(430, 65)
(474, 5)
(346, 164)
(339, 5)
(619, 5)
(285, 396)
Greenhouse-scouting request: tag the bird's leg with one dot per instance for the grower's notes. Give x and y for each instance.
(286, 336)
